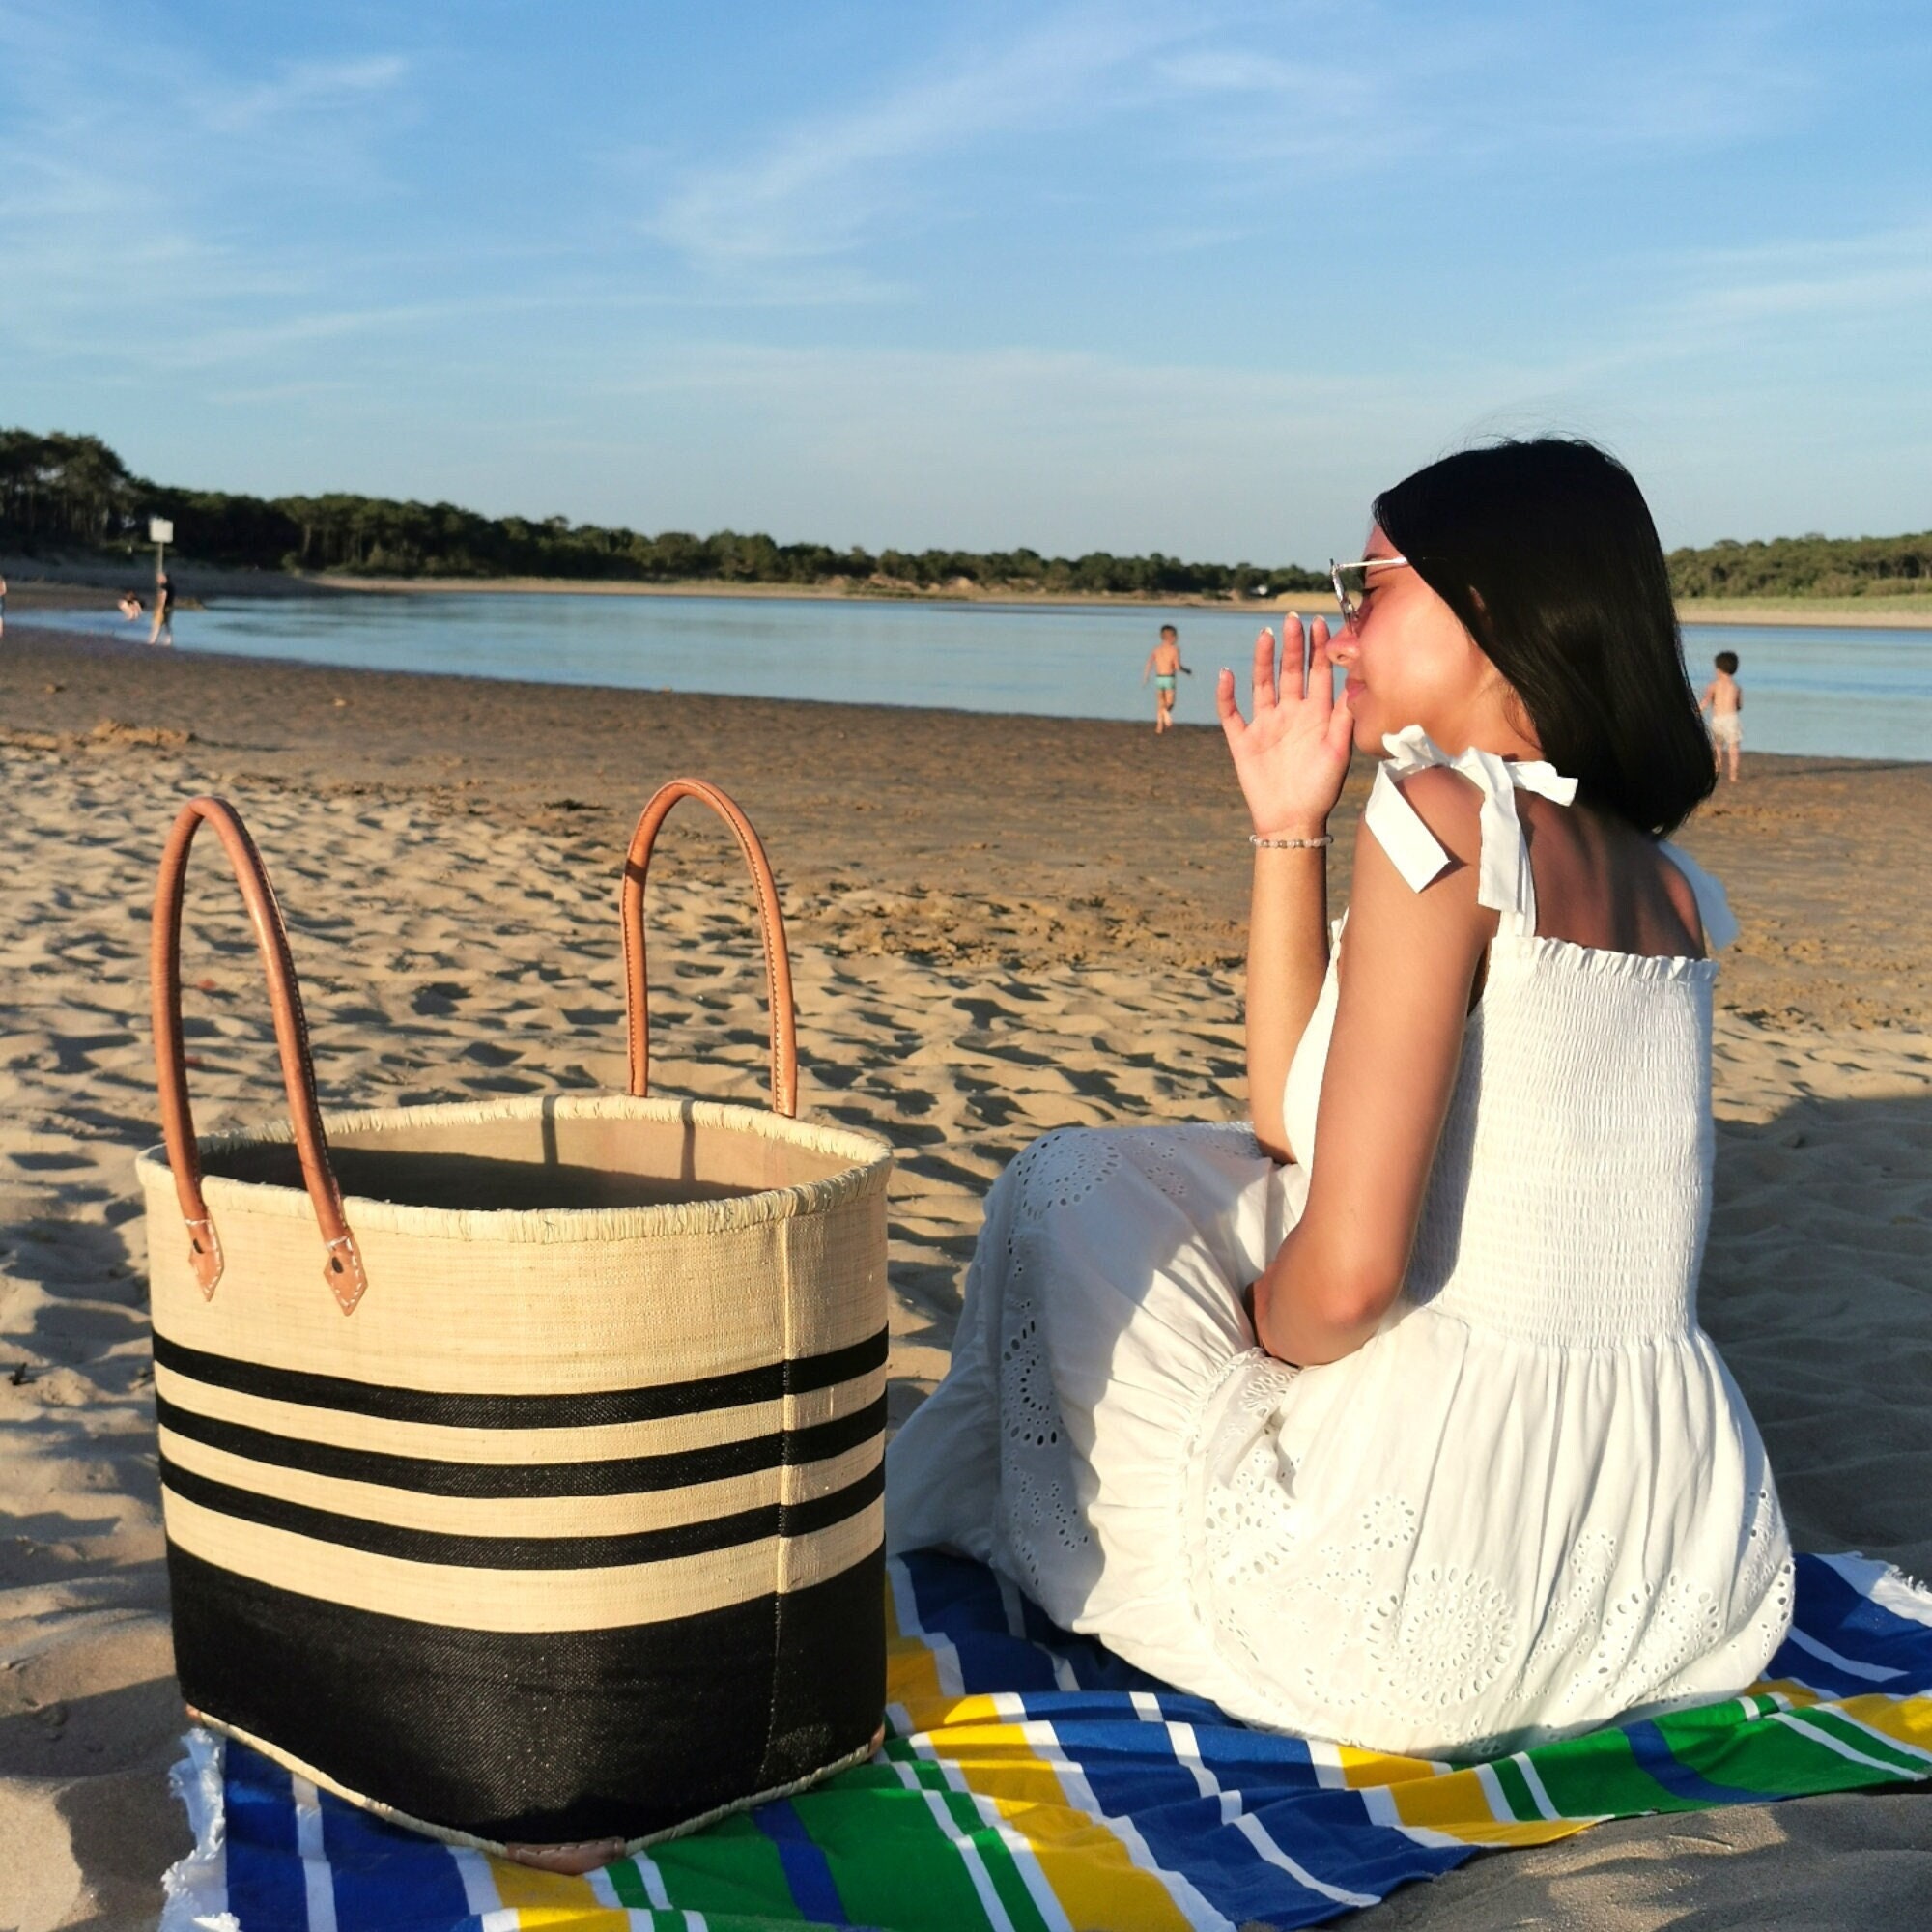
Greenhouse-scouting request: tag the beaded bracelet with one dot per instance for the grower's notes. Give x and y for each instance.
(1290, 844)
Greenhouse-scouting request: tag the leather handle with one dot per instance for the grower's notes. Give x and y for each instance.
(771, 924)
(343, 1267)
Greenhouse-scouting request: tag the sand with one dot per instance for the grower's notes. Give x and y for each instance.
(998, 926)
(1909, 610)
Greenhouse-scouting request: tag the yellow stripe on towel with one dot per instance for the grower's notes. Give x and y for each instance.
(912, 1672)
(1905, 1720)
(1458, 1806)
(1083, 1859)
(542, 1899)
(1797, 1696)
(1367, 1770)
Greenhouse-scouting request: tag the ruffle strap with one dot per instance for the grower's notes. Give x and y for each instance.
(1503, 880)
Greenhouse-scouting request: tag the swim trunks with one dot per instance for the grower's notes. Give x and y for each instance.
(1163, 680)
(1727, 727)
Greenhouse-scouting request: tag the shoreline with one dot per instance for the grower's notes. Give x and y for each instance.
(1857, 613)
(131, 642)
(804, 593)
(91, 584)
(1094, 841)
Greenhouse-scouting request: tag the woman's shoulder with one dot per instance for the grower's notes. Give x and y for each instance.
(1442, 798)
(1431, 825)
(1604, 883)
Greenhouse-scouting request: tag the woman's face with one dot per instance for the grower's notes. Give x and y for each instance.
(1410, 662)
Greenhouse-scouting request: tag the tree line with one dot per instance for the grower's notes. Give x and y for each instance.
(73, 491)
(61, 491)
(1807, 566)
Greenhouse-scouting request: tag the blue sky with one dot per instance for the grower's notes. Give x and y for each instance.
(1197, 278)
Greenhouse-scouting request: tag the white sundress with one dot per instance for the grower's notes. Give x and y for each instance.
(1533, 1501)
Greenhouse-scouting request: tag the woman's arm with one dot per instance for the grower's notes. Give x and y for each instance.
(1287, 958)
(1410, 962)
(1291, 760)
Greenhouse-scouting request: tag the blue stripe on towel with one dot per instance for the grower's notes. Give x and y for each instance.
(1093, 1666)
(958, 1597)
(1330, 1834)
(1263, 1764)
(1833, 1609)
(266, 1884)
(388, 1880)
(807, 1869)
(1656, 1757)
(1322, 1831)
(962, 1602)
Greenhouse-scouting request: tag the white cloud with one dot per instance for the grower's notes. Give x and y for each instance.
(132, 172)
(1239, 70)
(824, 185)
(300, 87)
(1306, 94)
(1857, 276)
(1519, 88)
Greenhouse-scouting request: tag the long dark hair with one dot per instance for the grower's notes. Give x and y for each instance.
(1547, 552)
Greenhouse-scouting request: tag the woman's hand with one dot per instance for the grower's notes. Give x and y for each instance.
(1292, 756)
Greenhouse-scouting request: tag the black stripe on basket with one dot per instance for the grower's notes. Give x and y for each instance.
(768, 1382)
(526, 1552)
(541, 1736)
(616, 1476)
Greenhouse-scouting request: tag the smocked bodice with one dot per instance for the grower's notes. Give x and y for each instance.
(1570, 1197)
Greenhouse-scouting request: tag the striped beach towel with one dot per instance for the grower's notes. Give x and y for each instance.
(1030, 1781)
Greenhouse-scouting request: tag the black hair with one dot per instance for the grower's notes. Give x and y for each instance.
(1167, 631)
(1545, 551)
(1727, 662)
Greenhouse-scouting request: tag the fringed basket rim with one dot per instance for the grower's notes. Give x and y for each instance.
(869, 1157)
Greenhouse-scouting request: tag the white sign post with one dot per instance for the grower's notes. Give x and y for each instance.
(161, 533)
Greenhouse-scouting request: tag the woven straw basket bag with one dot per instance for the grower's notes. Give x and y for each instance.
(522, 1462)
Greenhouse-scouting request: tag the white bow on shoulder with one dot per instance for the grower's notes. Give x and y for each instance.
(1502, 879)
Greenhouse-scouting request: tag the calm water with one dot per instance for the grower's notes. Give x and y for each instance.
(1866, 693)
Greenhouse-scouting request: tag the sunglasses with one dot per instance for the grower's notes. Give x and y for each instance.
(1351, 582)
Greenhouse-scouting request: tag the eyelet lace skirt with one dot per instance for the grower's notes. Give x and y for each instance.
(1451, 1541)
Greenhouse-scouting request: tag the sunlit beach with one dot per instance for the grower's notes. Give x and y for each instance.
(964, 972)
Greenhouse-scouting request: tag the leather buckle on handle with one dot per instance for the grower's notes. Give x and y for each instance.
(205, 1256)
(771, 927)
(348, 1281)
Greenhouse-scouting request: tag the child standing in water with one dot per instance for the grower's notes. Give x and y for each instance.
(1724, 699)
(165, 611)
(1164, 663)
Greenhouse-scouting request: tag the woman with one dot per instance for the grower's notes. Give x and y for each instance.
(1390, 1421)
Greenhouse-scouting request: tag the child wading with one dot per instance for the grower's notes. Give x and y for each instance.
(1724, 699)
(1164, 663)
(1388, 1419)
